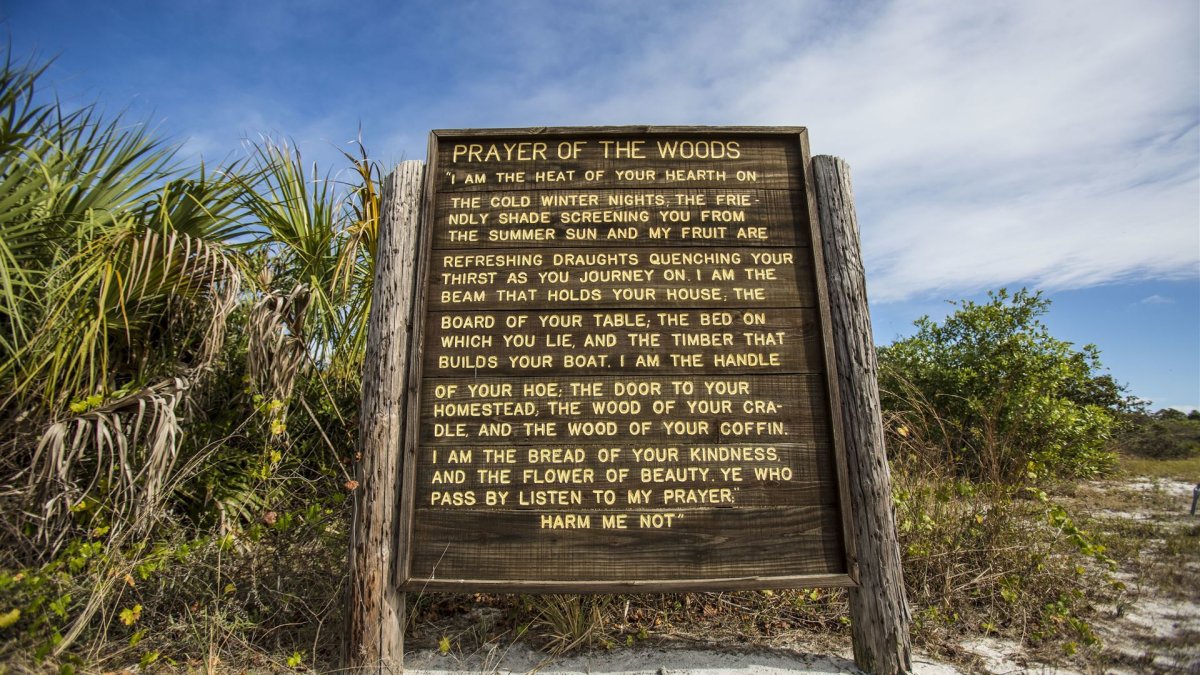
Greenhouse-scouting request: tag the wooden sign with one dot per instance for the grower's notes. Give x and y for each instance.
(624, 365)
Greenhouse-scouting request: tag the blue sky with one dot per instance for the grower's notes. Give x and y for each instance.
(1054, 145)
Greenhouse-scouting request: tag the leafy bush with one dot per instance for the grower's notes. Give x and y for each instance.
(1167, 434)
(997, 398)
(269, 586)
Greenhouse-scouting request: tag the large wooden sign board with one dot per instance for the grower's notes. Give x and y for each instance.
(624, 366)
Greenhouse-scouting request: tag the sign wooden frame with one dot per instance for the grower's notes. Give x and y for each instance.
(795, 139)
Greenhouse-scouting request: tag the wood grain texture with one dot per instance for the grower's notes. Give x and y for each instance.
(575, 214)
(375, 606)
(701, 545)
(456, 348)
(771, 530)
(622, 279)
(878, 607)
(748, 582)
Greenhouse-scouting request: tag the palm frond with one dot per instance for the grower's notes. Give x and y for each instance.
(277, 346)
(125, 450)
(119, 296)
(356, 262)
(297, 212)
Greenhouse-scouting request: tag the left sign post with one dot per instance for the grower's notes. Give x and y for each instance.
(375, 611)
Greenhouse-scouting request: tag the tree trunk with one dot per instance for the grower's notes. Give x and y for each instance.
(375, 608)
(878, 608)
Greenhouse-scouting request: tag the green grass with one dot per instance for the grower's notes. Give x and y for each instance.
(1179, 469)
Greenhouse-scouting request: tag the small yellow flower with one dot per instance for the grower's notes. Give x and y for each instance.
(9, 618)
(131, 616)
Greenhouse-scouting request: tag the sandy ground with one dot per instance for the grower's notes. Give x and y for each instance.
(1136, 632)
(1160, 634)
(647, 661)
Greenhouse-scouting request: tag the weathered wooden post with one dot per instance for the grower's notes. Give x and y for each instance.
(375, 606)
(878, 608)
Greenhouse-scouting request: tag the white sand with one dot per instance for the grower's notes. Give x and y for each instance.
(646, 661)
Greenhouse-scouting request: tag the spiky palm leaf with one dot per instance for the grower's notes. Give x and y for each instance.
(356, 261)
(26, 174)
(131, 288)
(117, 272)
(297, 211)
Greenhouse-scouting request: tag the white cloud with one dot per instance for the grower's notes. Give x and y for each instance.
(1048, 143)
(1157, 299)
(1016, 143)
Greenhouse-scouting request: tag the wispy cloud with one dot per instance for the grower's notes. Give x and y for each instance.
(1157, 299)
(1053, 144)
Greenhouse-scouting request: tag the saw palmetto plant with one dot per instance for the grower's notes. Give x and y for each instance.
(356, 259)
(318, 238)
(117, 271)
(125, 400)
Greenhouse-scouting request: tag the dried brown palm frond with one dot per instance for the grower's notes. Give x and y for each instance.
(321, 234)
(141, 299)
(278, 350)
(123, 451)
(137, 290)
(118, 273)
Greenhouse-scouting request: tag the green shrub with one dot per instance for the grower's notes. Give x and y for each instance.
(997, 398)
(179, 350)
(1167, 434)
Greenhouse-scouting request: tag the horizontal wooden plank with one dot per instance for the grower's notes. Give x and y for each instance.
(541, 218)
(593, 342)
(700, 544)
(624, 586)
(659, 277)
(697, 161)
(736, 409)
(591, 477)
(555, 134)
